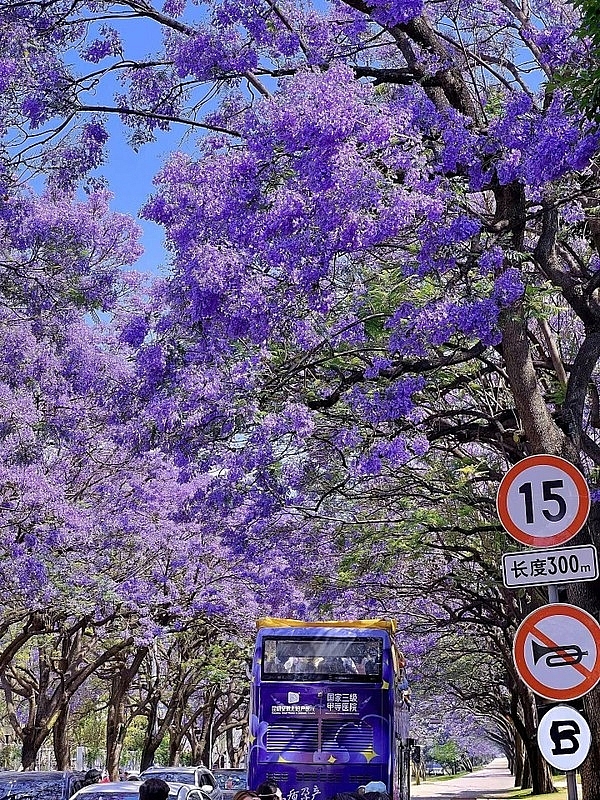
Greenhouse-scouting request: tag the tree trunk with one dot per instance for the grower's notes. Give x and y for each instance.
(537, 774)
(115, 721)
(231, 753)
(61, 740)
(527, 778)
(115, 729)
(153, 737)
(197, 745)
(33, 739)
(175, 738)
(518, 769)
(587, 596)
(540, 774)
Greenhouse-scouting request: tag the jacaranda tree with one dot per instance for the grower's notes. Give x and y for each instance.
(383, 252)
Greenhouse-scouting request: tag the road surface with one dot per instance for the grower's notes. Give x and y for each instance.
(491, 781)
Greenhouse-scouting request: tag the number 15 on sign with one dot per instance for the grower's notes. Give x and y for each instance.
(543, 501)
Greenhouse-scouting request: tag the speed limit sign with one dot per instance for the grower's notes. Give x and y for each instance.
(543, 501)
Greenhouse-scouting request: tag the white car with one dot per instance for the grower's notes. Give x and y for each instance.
(200, 776)
(436, 770)
(130, 790)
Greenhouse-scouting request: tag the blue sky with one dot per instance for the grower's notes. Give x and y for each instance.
(130, 177)
(130, 173)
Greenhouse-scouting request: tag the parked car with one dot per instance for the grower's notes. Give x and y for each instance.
(199, 776)
(31, 785)
(435, 769)
(231, 781)
(130, 790)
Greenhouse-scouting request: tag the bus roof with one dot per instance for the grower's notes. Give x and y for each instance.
(381, 624)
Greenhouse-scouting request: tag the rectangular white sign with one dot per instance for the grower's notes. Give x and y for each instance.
(542, 567)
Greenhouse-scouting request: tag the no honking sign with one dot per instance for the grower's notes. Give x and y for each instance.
(557, 651)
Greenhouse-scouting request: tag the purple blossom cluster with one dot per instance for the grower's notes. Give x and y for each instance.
(211, 53)
(107, 44)
(386, 405)
(396, 12)
(538, 148)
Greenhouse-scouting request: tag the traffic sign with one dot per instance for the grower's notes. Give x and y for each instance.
(543, 501)
(541, 567)
(557, 651)
(564, 737)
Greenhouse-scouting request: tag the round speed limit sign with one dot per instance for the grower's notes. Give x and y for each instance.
(543, 501)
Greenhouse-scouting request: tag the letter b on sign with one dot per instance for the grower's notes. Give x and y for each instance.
(564, 737)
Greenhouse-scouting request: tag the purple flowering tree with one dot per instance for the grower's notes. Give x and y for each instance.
(384, 257)
(101, 554)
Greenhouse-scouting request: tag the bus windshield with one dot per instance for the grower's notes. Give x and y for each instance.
(308, 659)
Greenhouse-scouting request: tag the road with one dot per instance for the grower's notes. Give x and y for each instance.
(491, 781)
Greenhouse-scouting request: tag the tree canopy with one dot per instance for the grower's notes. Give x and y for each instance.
(382, 291)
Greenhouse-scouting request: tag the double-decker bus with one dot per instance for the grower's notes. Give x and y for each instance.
(329, 708)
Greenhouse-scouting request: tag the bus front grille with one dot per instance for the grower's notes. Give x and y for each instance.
(352, 737)
(301, 736)
(304, 736)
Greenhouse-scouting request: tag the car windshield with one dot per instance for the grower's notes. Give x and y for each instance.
(23, 789)
(106, 794)
(170, 776)
(231, 780)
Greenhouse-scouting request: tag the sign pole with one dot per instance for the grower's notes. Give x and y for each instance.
(572, 784)
(570, 773)
(553, 594)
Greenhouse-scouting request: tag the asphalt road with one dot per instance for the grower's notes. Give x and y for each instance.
(491, 781)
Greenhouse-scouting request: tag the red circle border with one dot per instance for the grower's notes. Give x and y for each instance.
(558, 538)
(558, 609)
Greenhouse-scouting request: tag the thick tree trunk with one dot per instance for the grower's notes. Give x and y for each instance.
(115, 728)
(589, 776)
(587, 596)
(541, 776)
(536, 772)
(231, 753)
(526, 777)
(33, 739)
(518, 769)
(154, 733)
(198, 743)
(158, 728)
(174, 748)
(115, 722)
(61, 741)
(175, 739)
(542, 433)
(195, 751)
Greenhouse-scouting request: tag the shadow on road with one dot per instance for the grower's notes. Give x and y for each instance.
(494, 780)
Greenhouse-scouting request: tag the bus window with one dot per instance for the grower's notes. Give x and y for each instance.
(307, 659)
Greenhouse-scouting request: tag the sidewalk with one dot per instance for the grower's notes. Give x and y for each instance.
(491, 781)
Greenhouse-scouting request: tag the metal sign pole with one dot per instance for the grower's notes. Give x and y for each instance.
(572, 784)
(570, 773)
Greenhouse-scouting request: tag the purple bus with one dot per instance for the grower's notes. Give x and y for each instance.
(329, 709)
